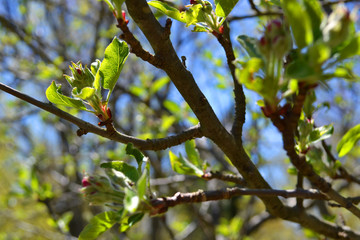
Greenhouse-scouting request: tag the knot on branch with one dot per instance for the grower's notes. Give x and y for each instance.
(81, 132)
(167, 30)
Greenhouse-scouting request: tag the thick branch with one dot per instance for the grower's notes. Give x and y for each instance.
(85, 127)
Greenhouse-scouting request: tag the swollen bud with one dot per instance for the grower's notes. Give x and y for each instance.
(276, 40)
(81, 77)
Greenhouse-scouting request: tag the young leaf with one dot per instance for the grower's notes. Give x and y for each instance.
(158, 84)
(249, 45)
(53, 94)
(128, 222)
(141, 185)
(321, 133)
(131, 200)
(348, 141)
(316, 14)
(299, 21)
(128, 170)
(98, 225)
(85, 94)
(110, 68)
(192, 153)
(224, 7)
(184, 166)
(168, 10)
(130, 150)
(352, 49)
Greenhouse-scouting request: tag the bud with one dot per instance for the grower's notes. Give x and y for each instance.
(98, 190)
(336, 28)
(276, 40)
(81, 77)
(124, 17)
(193, 2)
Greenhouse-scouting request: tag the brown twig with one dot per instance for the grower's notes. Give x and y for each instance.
(135, 45)
(253, 7)
(110, 133)
(224, 177)
(343, 173)
(240, 100)
(162, 204)
(234, 18)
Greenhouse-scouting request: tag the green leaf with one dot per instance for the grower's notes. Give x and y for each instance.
(299, 69)
(53, 94)
(184, 166)
(192, 153)
(299, 21)
(135, 218)
(195, 14)
(192, 15)
(316, 14)
(168, 10)
(352, 49)
(130, 150)
(128, 222)
(348, 141)
(158, 84)
(249, 45)
(85, 94)
(98, 225)
(172, 107)
(141, 185)
(110, 68)
(131, 200)
(321, 133)
(121, 166)
(224, 7)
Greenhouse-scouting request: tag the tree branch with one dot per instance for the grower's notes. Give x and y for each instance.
(135, 45)
(204, 196)
(85, 127)
(240, 100)
(224, 177)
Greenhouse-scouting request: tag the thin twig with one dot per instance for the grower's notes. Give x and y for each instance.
(253, 7)
(112, 134)
(234, 18)
(343, 173)
(240, 100)
(162, 204)
(224, 177)
(135, 45)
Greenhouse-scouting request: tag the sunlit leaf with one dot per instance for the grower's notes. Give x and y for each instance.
(321, 133)
(159, 84)
(98, 225)
(316, 14)
(224, 7)
(110, 68)
(168, 10)
(299, 21)
(192, 153)
(348, 141)
(54, 95)
(184, 166)
(121, 166)
(131, 200)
